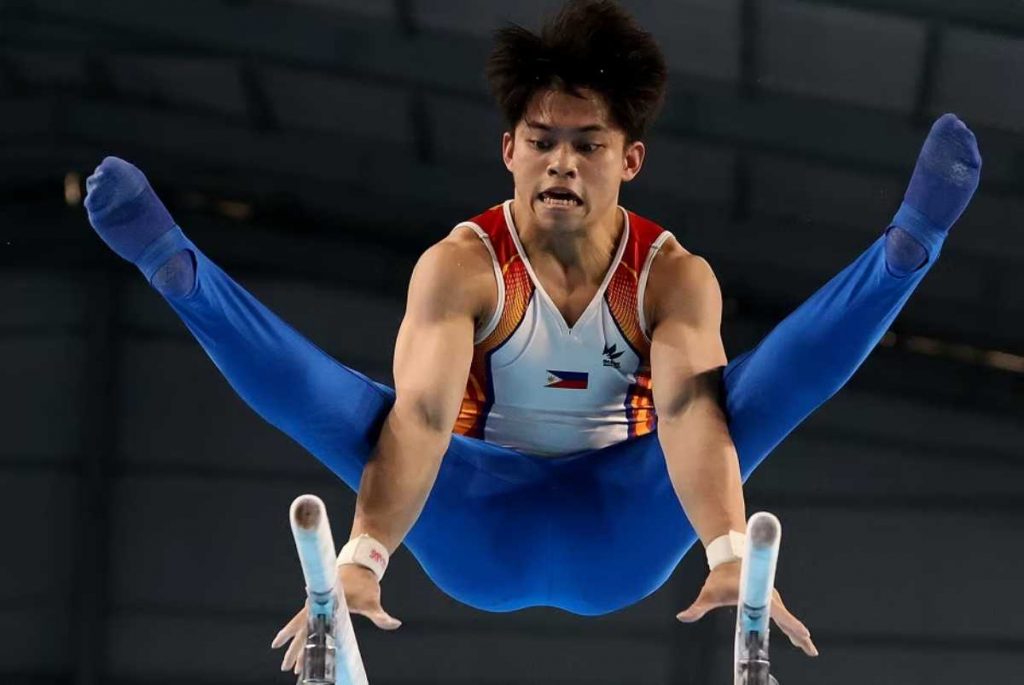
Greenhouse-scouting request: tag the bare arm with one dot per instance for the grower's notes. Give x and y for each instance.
(686, 359)
(451, 287)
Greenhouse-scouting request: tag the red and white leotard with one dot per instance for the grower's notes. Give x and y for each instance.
(537, 385)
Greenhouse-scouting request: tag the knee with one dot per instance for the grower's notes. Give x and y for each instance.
(177, 276)
(904, 254)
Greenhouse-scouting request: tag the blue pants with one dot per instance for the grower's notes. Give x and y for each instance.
(589, 533)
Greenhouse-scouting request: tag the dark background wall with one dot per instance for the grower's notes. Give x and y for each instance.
(314, 148)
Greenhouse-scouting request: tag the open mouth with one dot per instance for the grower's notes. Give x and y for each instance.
(560, 197)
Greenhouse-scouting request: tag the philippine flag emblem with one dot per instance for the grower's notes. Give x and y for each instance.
(567, 380)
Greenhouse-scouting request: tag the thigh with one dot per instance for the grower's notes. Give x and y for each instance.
(811, 354)
(328, 408)
(589, 533)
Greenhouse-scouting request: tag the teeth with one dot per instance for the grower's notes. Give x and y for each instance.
(557, 202)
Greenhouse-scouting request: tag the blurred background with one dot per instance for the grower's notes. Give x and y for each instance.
(314, 148)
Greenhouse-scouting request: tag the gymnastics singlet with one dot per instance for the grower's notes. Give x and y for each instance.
(537, 385)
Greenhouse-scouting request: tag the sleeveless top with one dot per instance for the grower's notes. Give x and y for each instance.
(538, 386)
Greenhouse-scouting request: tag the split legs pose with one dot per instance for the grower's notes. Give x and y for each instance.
(503, 530)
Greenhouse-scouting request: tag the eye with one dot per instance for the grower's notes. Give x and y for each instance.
(588, 147)
(541, 144)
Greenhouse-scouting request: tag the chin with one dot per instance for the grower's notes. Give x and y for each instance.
(561, 221)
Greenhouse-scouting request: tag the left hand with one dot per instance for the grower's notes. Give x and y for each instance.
(722, 588)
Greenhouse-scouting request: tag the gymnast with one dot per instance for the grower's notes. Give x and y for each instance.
(564, 424)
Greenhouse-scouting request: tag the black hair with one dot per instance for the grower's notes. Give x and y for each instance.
(591, 44)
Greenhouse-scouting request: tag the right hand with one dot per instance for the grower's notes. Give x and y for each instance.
(362, 594)
(722, 589)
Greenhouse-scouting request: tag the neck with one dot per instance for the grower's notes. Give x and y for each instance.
(582, 255)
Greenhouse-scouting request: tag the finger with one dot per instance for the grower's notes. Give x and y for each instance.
(793, 627)
(378, 616)
(383, 620)
(695, 611)
(299, 661)
(289, 629)
(294, 649)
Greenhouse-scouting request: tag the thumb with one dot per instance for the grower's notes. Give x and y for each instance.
(383, 620)
(695, 612)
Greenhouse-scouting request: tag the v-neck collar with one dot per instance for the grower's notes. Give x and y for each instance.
(595, 302)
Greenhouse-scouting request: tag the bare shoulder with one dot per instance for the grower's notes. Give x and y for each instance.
(680, 283)
(675, 267)
(467, 246)
(455, 274)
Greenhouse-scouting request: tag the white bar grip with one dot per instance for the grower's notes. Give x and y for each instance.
(315, 545)
(757, 577)
(327, 607)
(754, 609)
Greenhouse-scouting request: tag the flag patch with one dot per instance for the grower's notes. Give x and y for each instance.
(567, 380)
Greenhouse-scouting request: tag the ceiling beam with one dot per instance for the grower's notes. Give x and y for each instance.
(1003, 17)
(926, 80)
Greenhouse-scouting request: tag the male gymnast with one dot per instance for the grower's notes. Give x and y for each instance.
(573, 345)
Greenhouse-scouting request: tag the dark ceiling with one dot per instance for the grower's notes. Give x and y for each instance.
(790, 130)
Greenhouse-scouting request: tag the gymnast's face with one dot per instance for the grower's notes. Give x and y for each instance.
(571, 143)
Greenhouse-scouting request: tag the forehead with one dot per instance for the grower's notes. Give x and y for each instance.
(558, 109)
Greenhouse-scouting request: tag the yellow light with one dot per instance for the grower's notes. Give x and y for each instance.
(1005, 361)
(922, 345)
(239, 211)
(72, 189)
(968, 354)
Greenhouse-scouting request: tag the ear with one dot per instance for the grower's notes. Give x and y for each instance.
(508, 144)
(633, 160)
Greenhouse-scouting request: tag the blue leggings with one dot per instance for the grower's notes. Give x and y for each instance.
(589, 533)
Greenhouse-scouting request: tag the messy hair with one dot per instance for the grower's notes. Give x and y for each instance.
(591, 44)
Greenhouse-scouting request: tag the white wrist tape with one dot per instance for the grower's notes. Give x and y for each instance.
(366, 552)
(726, 548)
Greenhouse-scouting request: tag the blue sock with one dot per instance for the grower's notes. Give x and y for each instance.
(129, 217)
(944, 180)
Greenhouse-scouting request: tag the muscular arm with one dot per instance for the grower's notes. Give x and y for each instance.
(451, 287)
(686, 359)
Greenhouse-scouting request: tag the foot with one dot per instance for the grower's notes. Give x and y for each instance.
(129, 217)
(123, 208)
(944, 180)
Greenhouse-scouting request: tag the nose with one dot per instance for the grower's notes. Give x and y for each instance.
(563, 162)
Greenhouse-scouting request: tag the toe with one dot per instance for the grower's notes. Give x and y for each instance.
(114, 181)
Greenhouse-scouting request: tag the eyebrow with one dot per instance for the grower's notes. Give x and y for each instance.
(581, 129)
